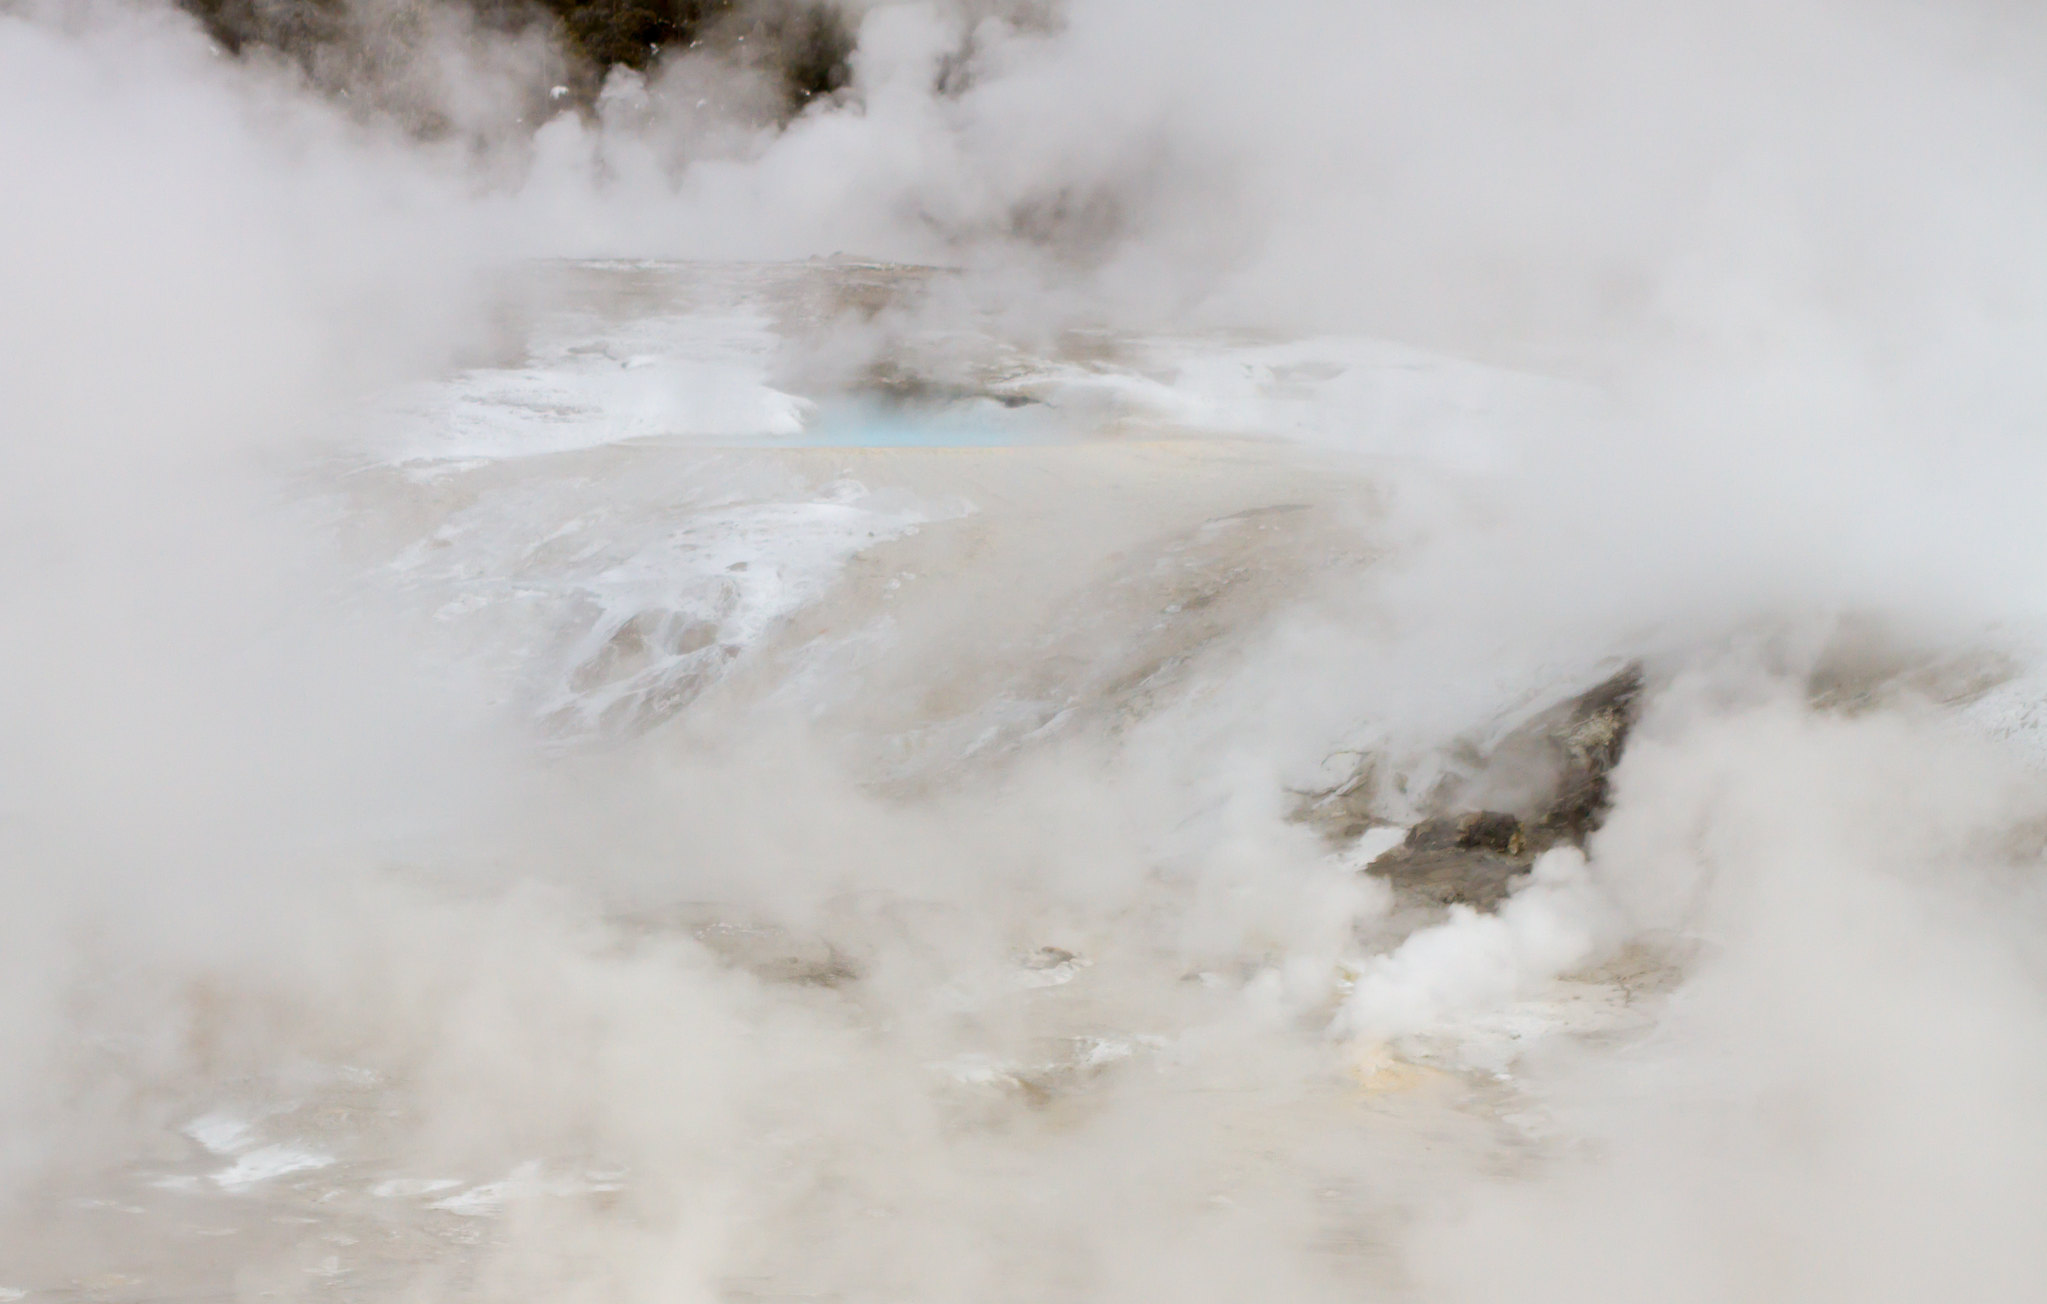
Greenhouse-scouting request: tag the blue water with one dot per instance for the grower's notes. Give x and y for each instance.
(981, 424)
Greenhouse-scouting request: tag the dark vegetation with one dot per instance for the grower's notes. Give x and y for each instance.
(805, 45)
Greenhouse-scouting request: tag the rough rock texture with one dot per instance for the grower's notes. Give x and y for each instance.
(1470, 859)
(632, 33)
(352, 46)
(1584, 739)
(1554, 768)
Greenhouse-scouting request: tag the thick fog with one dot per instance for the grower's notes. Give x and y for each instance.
(952, 928)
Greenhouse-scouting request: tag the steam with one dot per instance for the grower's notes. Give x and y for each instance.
(858, 978)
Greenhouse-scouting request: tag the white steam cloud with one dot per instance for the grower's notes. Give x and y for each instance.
(952, 934)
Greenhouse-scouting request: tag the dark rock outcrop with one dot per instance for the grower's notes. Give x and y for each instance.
(349, 46)
(1469, 859)
(1556, 770)
(631, 33)
(1584, 739)
(1484, 830)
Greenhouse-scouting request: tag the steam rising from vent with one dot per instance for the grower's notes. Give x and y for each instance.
(974, 650)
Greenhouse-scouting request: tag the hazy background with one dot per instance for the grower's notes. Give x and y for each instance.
(253, 833)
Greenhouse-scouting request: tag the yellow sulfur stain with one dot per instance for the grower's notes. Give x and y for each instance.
(1377, 1070)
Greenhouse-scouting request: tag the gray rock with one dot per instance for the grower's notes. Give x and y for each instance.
(1484, 830)
(1452, 875)
(1557, 766)
(1584, 739)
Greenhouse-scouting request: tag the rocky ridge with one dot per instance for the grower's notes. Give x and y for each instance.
(1554, 771)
